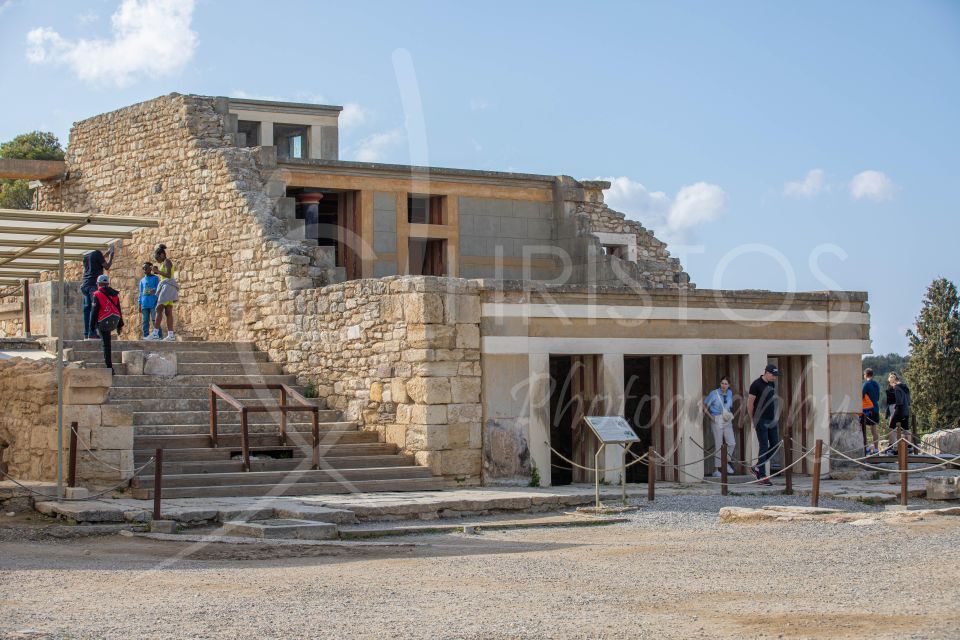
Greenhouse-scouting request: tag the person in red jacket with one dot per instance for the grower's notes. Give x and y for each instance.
(107, 314)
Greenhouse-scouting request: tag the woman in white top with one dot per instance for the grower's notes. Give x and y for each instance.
(719, 405)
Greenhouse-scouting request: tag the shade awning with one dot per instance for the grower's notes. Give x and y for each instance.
(30, 240)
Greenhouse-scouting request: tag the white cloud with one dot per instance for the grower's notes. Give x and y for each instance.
(811, 185)
(872, 185)
(246, 95)
(374, 147)
(4, 5)
(478, 104)
(150, 37)
(671, 218)
(352, 116)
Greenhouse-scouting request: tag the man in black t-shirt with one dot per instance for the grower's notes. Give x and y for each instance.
(94, 264)
(764, 409)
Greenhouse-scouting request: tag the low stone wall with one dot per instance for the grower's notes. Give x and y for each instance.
(28, 424)
(402, 356)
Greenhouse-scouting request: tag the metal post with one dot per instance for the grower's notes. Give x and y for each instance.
(244, 439)
(623, 474)
(788, 461)
(902, 459)
(723, 468)
(213, 419)
(283, 416)
(316, 438)
(26, 308)
(157, 482)
(651, 474)
(815, 494)
(596, 472)
(60, 332)
(72, 467)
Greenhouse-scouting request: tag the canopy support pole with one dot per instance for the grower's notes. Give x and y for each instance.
(60, 333)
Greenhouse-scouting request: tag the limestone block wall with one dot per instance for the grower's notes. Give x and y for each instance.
(28, 424)
(401, 355)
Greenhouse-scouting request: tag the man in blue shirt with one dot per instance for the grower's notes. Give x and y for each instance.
(870, 393)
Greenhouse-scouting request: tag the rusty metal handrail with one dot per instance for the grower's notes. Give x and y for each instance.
(286, 393)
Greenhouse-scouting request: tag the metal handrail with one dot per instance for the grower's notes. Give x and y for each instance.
(286, 393)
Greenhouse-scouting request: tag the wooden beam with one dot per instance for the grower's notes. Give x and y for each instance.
(16, 169)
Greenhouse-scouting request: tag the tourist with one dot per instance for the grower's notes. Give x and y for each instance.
(106, 309)
(147, 300)
(94, 264)
(898, 411)
(871, 410)
(719, 404)
(168, 292)
(764, 409)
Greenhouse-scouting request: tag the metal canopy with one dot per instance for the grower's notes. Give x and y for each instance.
(32, 242)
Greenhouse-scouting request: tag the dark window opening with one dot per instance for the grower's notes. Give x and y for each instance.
(251, 130)
(638, 410)
(425, 209)
(291, 141)
(561, 419)
(427, 257)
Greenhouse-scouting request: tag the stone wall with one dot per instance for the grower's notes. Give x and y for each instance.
(28, 424)
(401, 355)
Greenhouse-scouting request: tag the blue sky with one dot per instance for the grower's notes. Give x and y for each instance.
(775, 145)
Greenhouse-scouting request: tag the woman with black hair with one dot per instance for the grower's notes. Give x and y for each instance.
(168, 292)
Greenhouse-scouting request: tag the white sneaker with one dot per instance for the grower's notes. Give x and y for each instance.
(716, 474)
(730, 469)
(169, 338)
(151, 337)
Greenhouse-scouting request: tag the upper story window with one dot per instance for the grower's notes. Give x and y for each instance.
(290, 140)
(424, 209)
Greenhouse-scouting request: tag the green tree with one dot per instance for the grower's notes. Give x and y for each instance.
(934, 369)
(36, 145)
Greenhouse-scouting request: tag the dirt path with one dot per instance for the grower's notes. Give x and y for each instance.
(669, 573)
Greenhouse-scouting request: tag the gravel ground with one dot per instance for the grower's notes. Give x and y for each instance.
(672, 571)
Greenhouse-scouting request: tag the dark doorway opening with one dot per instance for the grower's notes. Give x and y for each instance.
(638, 410)
(427, 257)
(561, 419)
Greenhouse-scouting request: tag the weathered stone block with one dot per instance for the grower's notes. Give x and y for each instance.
(160, 364)
(85, 415)
(463, 308)
(464, 413)
(398, 391)
(430, 336)
(460, 462)
(422, 308)
(427, 413)
(465, 389)
(112, 438)
(429, 390)
(396, 434)
(426, 437)
(463, 436)
(942, 488)
(116, 415)
(376, 392)
(133, 361)
(73, 377)
(468, 336)
(429, 459)
(435, 369)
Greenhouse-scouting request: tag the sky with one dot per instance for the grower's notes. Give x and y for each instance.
(785, 146)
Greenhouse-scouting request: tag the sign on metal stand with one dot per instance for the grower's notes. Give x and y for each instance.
(611, 430)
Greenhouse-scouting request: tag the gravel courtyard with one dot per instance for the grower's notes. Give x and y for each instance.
(671, 572)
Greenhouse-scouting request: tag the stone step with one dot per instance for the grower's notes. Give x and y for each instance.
(198, 429)
(160, 345)
(225, 452)
(191, 357)
(127, 394)
(200, 368)
(281, 477)
(200, 380)
(299, 489)
(192, 441)
(283, 464)
(231, 416)
(203, 404)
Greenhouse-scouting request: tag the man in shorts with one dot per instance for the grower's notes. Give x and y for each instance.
(871, 410)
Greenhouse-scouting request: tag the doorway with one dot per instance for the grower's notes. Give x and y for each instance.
(574, 393)
(638, 410)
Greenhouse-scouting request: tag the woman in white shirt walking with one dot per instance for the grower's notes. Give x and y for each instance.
(719, 405)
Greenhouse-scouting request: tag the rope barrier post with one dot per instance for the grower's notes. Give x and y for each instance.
(72, 462)
(157, 482)
(651, 474)
(596, 472)
(902, 460)
(623, 474)
(723, 468)
(788, 461)
(815, 493)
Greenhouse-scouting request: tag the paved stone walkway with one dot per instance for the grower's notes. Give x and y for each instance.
(429, 505)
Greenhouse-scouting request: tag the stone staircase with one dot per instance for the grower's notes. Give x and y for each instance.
(173, 413)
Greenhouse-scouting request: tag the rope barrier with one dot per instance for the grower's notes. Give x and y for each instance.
(94, 456)
(750, 462)
(90, 497)
(580, 466)
(772, 475)
(886, 470)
